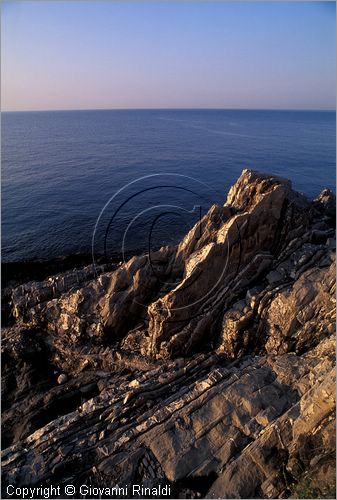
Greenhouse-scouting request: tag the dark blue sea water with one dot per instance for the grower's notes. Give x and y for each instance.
(60, 169)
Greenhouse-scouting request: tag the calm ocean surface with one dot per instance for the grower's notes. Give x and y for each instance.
(61, 168)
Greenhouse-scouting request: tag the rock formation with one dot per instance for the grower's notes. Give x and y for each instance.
(208, 366)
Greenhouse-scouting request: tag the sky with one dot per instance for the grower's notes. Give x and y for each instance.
(100, 54)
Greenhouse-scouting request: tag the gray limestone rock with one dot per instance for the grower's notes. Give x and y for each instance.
(210, 368)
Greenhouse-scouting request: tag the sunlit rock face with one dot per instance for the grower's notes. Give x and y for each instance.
(209, 367)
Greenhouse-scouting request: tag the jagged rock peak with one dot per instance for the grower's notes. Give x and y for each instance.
(250, 188)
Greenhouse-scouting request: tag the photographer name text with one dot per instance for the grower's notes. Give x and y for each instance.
(88, 491)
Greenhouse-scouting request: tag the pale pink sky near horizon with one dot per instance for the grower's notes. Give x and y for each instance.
(91, 55)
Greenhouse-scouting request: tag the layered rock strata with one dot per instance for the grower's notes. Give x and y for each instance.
(208, 367)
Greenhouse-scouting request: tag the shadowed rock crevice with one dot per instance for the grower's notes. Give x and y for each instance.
(209, 368)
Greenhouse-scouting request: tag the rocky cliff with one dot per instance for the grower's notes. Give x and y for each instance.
(209, 366)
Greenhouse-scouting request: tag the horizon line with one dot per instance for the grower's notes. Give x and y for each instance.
(166, 109)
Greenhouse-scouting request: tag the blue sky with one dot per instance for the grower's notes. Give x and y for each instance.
(82, 55)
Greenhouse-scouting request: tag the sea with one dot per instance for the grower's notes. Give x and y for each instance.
(115, 182)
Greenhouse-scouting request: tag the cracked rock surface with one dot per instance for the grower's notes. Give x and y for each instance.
(209, 366)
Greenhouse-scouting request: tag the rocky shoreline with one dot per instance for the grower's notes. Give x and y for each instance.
(208, 367)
